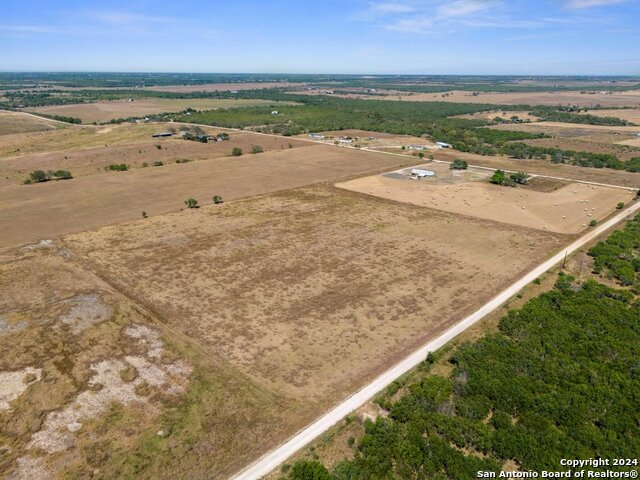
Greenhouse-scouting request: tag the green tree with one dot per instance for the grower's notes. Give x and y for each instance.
(191, 203)
(236, 152)
(38, 176)
(256, 149)
(217, 199)
(520, 177)
(498, 177)
(459, 165)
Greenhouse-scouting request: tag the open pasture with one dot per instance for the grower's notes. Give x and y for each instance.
(629, 114)
(222, 87)
(133, 150)
(91, 382)
(566, 210)
(311, 292)
(101, 112)
(12, 123)
(46, 210)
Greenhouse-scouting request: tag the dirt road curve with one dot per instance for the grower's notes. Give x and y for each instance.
(273, 459)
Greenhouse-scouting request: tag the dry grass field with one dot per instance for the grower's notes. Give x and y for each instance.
(567, 209)
(630, 98)
(222, 87)
(47, 210)
(105, 111)
(544, 167)
(12, 123)
(490, 115)
(629, 114)
(78, 151)
(92, 386)
(369, 139)
(611, 144)
(310, 292)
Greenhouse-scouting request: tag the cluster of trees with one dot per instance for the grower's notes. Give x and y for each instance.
(500, 177)
(193, 203)
(619, 255)
(40, 176)
(558, 380)
(562, 115)
(557, 155)
(429, 119)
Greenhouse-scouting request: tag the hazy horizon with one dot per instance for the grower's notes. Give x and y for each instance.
(358, 37)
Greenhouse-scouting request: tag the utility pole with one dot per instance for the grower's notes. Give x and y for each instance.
(564, 262)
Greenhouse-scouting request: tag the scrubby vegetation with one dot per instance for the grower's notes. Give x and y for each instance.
(521, 150)
(458, 164)
(316, 114)
(573, 115)
(619, 255)
(40, 176)
(118, 167)
(559, 379)
(191, 203)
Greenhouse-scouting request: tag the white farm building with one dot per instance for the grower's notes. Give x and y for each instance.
(420, 173)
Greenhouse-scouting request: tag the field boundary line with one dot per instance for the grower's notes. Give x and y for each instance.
(270, 461)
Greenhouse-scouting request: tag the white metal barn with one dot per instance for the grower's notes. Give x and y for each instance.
(420, 173)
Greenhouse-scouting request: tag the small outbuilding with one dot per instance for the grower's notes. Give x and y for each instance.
(443, 145)
(162, 134)
(419, 173)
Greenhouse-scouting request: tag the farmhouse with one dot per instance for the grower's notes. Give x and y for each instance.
(443, 145)
(418, 173)
(418, 148)
(346, 140)
(316, 136)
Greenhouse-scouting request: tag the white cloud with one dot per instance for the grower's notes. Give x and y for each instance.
(392, 7)
(579, 4)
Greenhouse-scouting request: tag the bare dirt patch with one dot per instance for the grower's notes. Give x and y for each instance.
(568, 209)
(106, 111)
(126, 386)
(32, 212)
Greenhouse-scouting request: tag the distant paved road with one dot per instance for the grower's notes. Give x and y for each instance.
(273, 459)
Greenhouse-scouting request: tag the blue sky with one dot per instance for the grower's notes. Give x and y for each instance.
(350, 36)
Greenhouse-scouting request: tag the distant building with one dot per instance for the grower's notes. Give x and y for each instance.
(275, 112)
(162, 134)
(346, 140)
(316, 136)
(420, 173)
(443, 145)
(418, 148)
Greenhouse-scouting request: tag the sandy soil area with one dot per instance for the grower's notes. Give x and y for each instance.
(33, 212)
(567, 210)
(105, 111)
